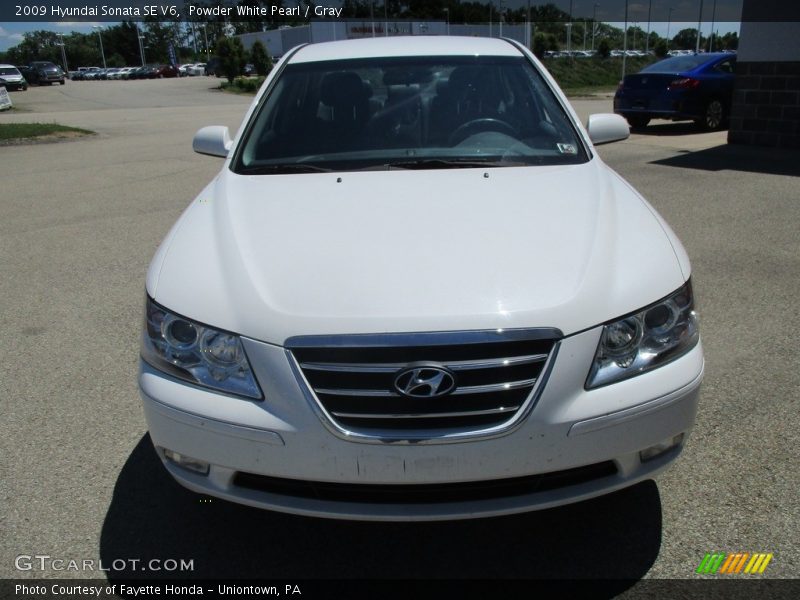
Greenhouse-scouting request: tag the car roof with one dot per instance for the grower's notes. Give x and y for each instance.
(7, 66)
(404, 46)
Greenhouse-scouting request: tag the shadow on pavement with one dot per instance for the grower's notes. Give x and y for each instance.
(151, 517)
(668, 128)
(734, 157)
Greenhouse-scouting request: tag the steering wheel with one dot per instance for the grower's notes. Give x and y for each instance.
(462, 132)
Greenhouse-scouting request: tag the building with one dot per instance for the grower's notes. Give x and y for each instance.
(766, 97)
(278, 41)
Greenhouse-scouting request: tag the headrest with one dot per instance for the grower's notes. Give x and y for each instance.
(341, 88)
(465, 79)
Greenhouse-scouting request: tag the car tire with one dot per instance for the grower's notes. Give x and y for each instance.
(637, 121)
(714, 115)
(61, 82)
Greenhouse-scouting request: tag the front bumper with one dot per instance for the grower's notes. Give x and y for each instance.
(277, 454)
(18, 84)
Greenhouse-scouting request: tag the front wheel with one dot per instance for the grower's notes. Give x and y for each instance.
(713, 116)
(637, 121)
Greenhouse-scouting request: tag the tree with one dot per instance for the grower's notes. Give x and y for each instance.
(604, 48)
(159, 35)
(260, 58)
(231, 57)
(686, 39)
(539, 45)
(729, 41)
(661, 49)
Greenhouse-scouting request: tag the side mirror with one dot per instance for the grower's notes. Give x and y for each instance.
(214, 140)
(605, 128)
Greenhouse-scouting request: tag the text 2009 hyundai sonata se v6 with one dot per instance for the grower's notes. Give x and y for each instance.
(414, 291)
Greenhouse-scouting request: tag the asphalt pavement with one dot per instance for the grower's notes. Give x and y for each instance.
(79, 223)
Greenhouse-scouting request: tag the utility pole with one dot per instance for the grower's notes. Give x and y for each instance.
(669, 22)
(713, 17)
(647, 42)
(372, 16)
(699, 24)
(102, 52)
(594, 24)
(63, 52)
(194, 38)
(140, 37)
(625, 40)
(528, 36)
(569, 31)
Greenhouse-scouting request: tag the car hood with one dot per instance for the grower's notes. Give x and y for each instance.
(276, 256)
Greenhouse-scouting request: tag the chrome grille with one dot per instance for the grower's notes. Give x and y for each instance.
(353, 379)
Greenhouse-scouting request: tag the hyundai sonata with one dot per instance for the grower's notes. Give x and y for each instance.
(414, 291)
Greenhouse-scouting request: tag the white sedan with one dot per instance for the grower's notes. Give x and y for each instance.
(196, 69)
(414, 291)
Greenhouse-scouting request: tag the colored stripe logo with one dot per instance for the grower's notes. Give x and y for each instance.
(735, 563)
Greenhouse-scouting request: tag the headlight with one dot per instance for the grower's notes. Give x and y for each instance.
(648, 339)
(196, 353)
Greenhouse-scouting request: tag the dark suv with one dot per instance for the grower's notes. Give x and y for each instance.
(214, 67)
(43, 72)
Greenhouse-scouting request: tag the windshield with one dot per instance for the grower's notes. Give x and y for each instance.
(8, 71)
(678, 64)
(418, 112)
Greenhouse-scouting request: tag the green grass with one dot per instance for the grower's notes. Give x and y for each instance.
(583, 76)
(15, 131)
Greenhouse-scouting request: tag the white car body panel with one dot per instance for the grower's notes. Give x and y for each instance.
(290, 258)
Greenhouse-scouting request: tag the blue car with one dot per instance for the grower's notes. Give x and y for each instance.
(696, 87)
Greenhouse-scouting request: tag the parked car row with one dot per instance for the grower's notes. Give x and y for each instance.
(153, 71)
(568, 53)
(145, 72)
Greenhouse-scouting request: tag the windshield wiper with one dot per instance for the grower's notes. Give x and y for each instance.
(453, 163)
(284, 168)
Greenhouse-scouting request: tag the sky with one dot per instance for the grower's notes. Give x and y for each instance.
(684, 15)
(11, 33)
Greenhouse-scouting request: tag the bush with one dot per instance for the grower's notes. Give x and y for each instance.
(661, 49)
(604, 48)
(539, 45)
(231, 57)
(260, 58)
(245, 85)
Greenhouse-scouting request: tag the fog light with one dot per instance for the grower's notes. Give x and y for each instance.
(659, 449)
(187, 462)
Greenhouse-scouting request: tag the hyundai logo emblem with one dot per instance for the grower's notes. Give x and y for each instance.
(428, 381)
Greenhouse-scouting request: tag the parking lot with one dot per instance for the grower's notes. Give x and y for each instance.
(79, 222)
